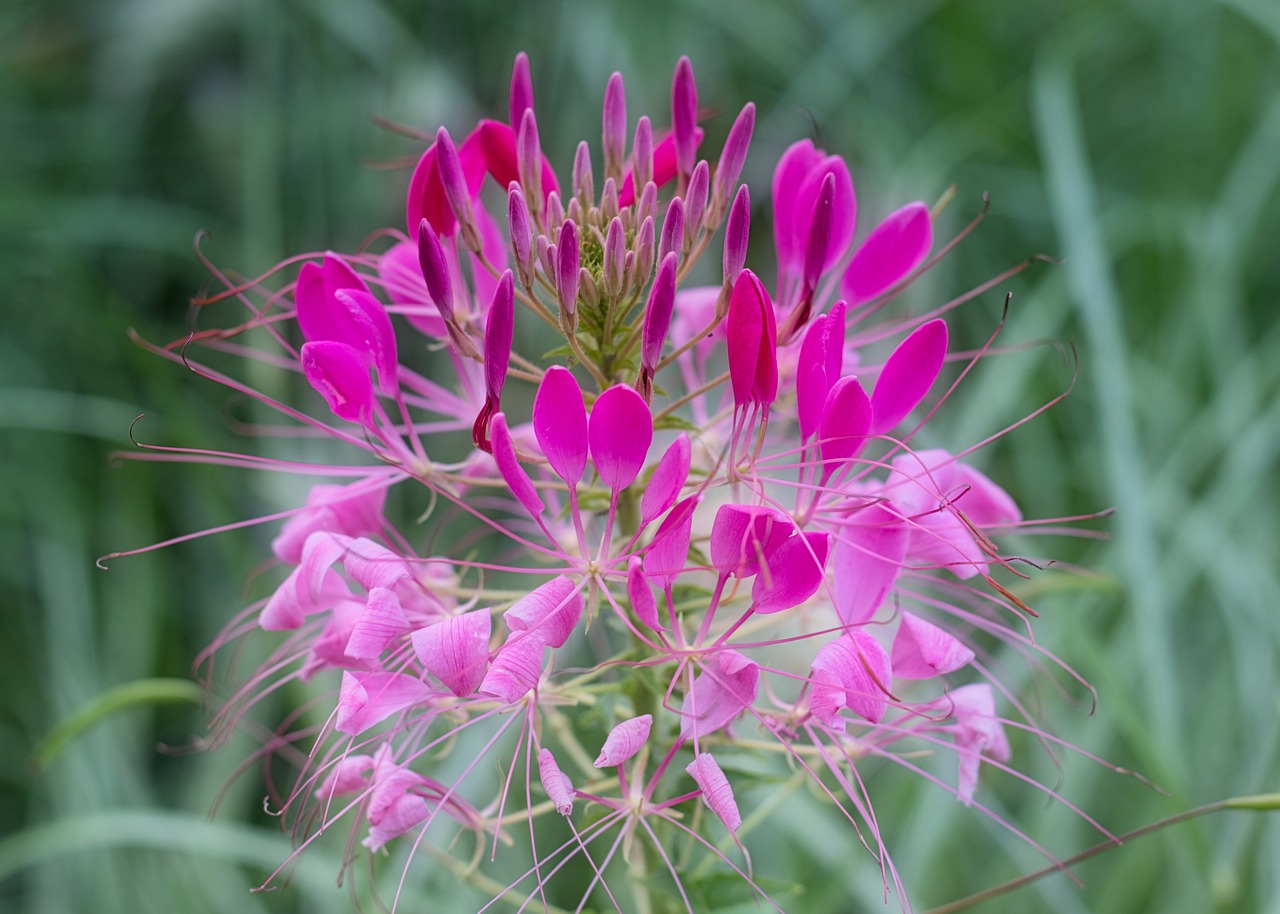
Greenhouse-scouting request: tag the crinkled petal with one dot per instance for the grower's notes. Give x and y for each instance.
(716, 791)
(382, 622)
(456, 650)
(552, 609)
(559, 790)
(624, 741)
(368, 698)
(723, 690)
(517, 667)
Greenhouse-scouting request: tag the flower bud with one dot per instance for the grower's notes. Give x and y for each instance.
(672, 229)
(684, 115)
(615, 127)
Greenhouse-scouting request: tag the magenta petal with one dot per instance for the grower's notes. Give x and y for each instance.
(669, 551)
(560, 423)
(516, 668)
(908, 374)
(812, 381)
(559, 790)
(921, 650)
(753, 341)
(504, 454)
(456, 650)
(846, 421)
(818, 244)
(734, 154)
(624, 741)
(742, 535)
(723, 690)
(668, 479)
(552, 610)
(790, 574)
(716, 791)
(320, 317)
(841, 217)
(338, 373)
(368, 698)
(860, 664)
(370, 332)
(380, 624)
(657, 316)
(684, 115)
(787, 178)
(641, 596)
(521, 87)
(869, 553)
(620, 431)
(894, 248)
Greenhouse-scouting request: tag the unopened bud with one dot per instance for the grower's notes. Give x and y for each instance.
(615, 127)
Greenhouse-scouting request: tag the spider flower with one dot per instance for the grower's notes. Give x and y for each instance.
(710, 532)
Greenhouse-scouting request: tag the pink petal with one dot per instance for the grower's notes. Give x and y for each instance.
(788, 175)
(861, 665)
(753, 341)
(371, 333)
(559, 790)
(504, 454)
(846, 421)
(352, 510)
(669, 551)
(338, 374)
(552, 610)
(908, 375)
(985, 503)
(517, 667)
(668, 479)
(716, 792)
(894, 248)
(624, 741)
(456, 650)
(368, 698)
(790, 574)
(723, 690)
(381, 623)
(560, 423)
(372, 565)
(319, 315)
(641, 596)
(349, 775)
(498, 332)
(813, 382)
(870, 551)
(620, 431)
(742, 535)
(921, 650)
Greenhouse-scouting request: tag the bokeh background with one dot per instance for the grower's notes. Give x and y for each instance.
(1136, 140)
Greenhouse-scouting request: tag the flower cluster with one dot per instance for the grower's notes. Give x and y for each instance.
(691, 535)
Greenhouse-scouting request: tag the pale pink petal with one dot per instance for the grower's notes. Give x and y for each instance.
(372, 565)
(861, 665)
(753, 339)
(723, 690)
(985, 503)
(368, 698)
(894, 248)
(350, 775)
(624, 741)
(790, 574)
(456, 650)
(641, 596)
(317, 581)
(869, 554)
(560, 423)
(908, 375)
(382, 622)
(553, 610)
(716, 792)
(668, 479)
(352, 510)
(338, 373)
(620, 430)
(921, 650)
(559, 790)
(517, 667)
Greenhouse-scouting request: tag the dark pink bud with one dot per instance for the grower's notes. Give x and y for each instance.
(716, 790)
(921, 650)
(456, 650)
(642, 154)
(609, 200)
(672, 229)
(615, 252)
(736, 235)
(559, 790)
(521, 231)
(624, 741)
(454, 181)
(620, 430)
(567, 265)
(753, 341)
(695, 202)
(521, 89)
(647, 205)
(615, 126)
(552, 610)
(845, 424)
(796, 183)
(907, 375)
(341, 376)
(498, 333)
(644, 251)
(668, 478)
(435, 270)
(734, 155)
(516, 668)
(790, 574)
(684, 115)
(657, 316)
(529, 157)
(583, 185)
(817, 248)
(894, 248)
(641, 596)
(555, 212)
(560, 423)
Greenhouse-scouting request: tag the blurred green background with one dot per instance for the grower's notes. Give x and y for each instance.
(1138, 140)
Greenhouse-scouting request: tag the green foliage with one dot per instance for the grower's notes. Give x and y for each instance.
(1134, 138)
